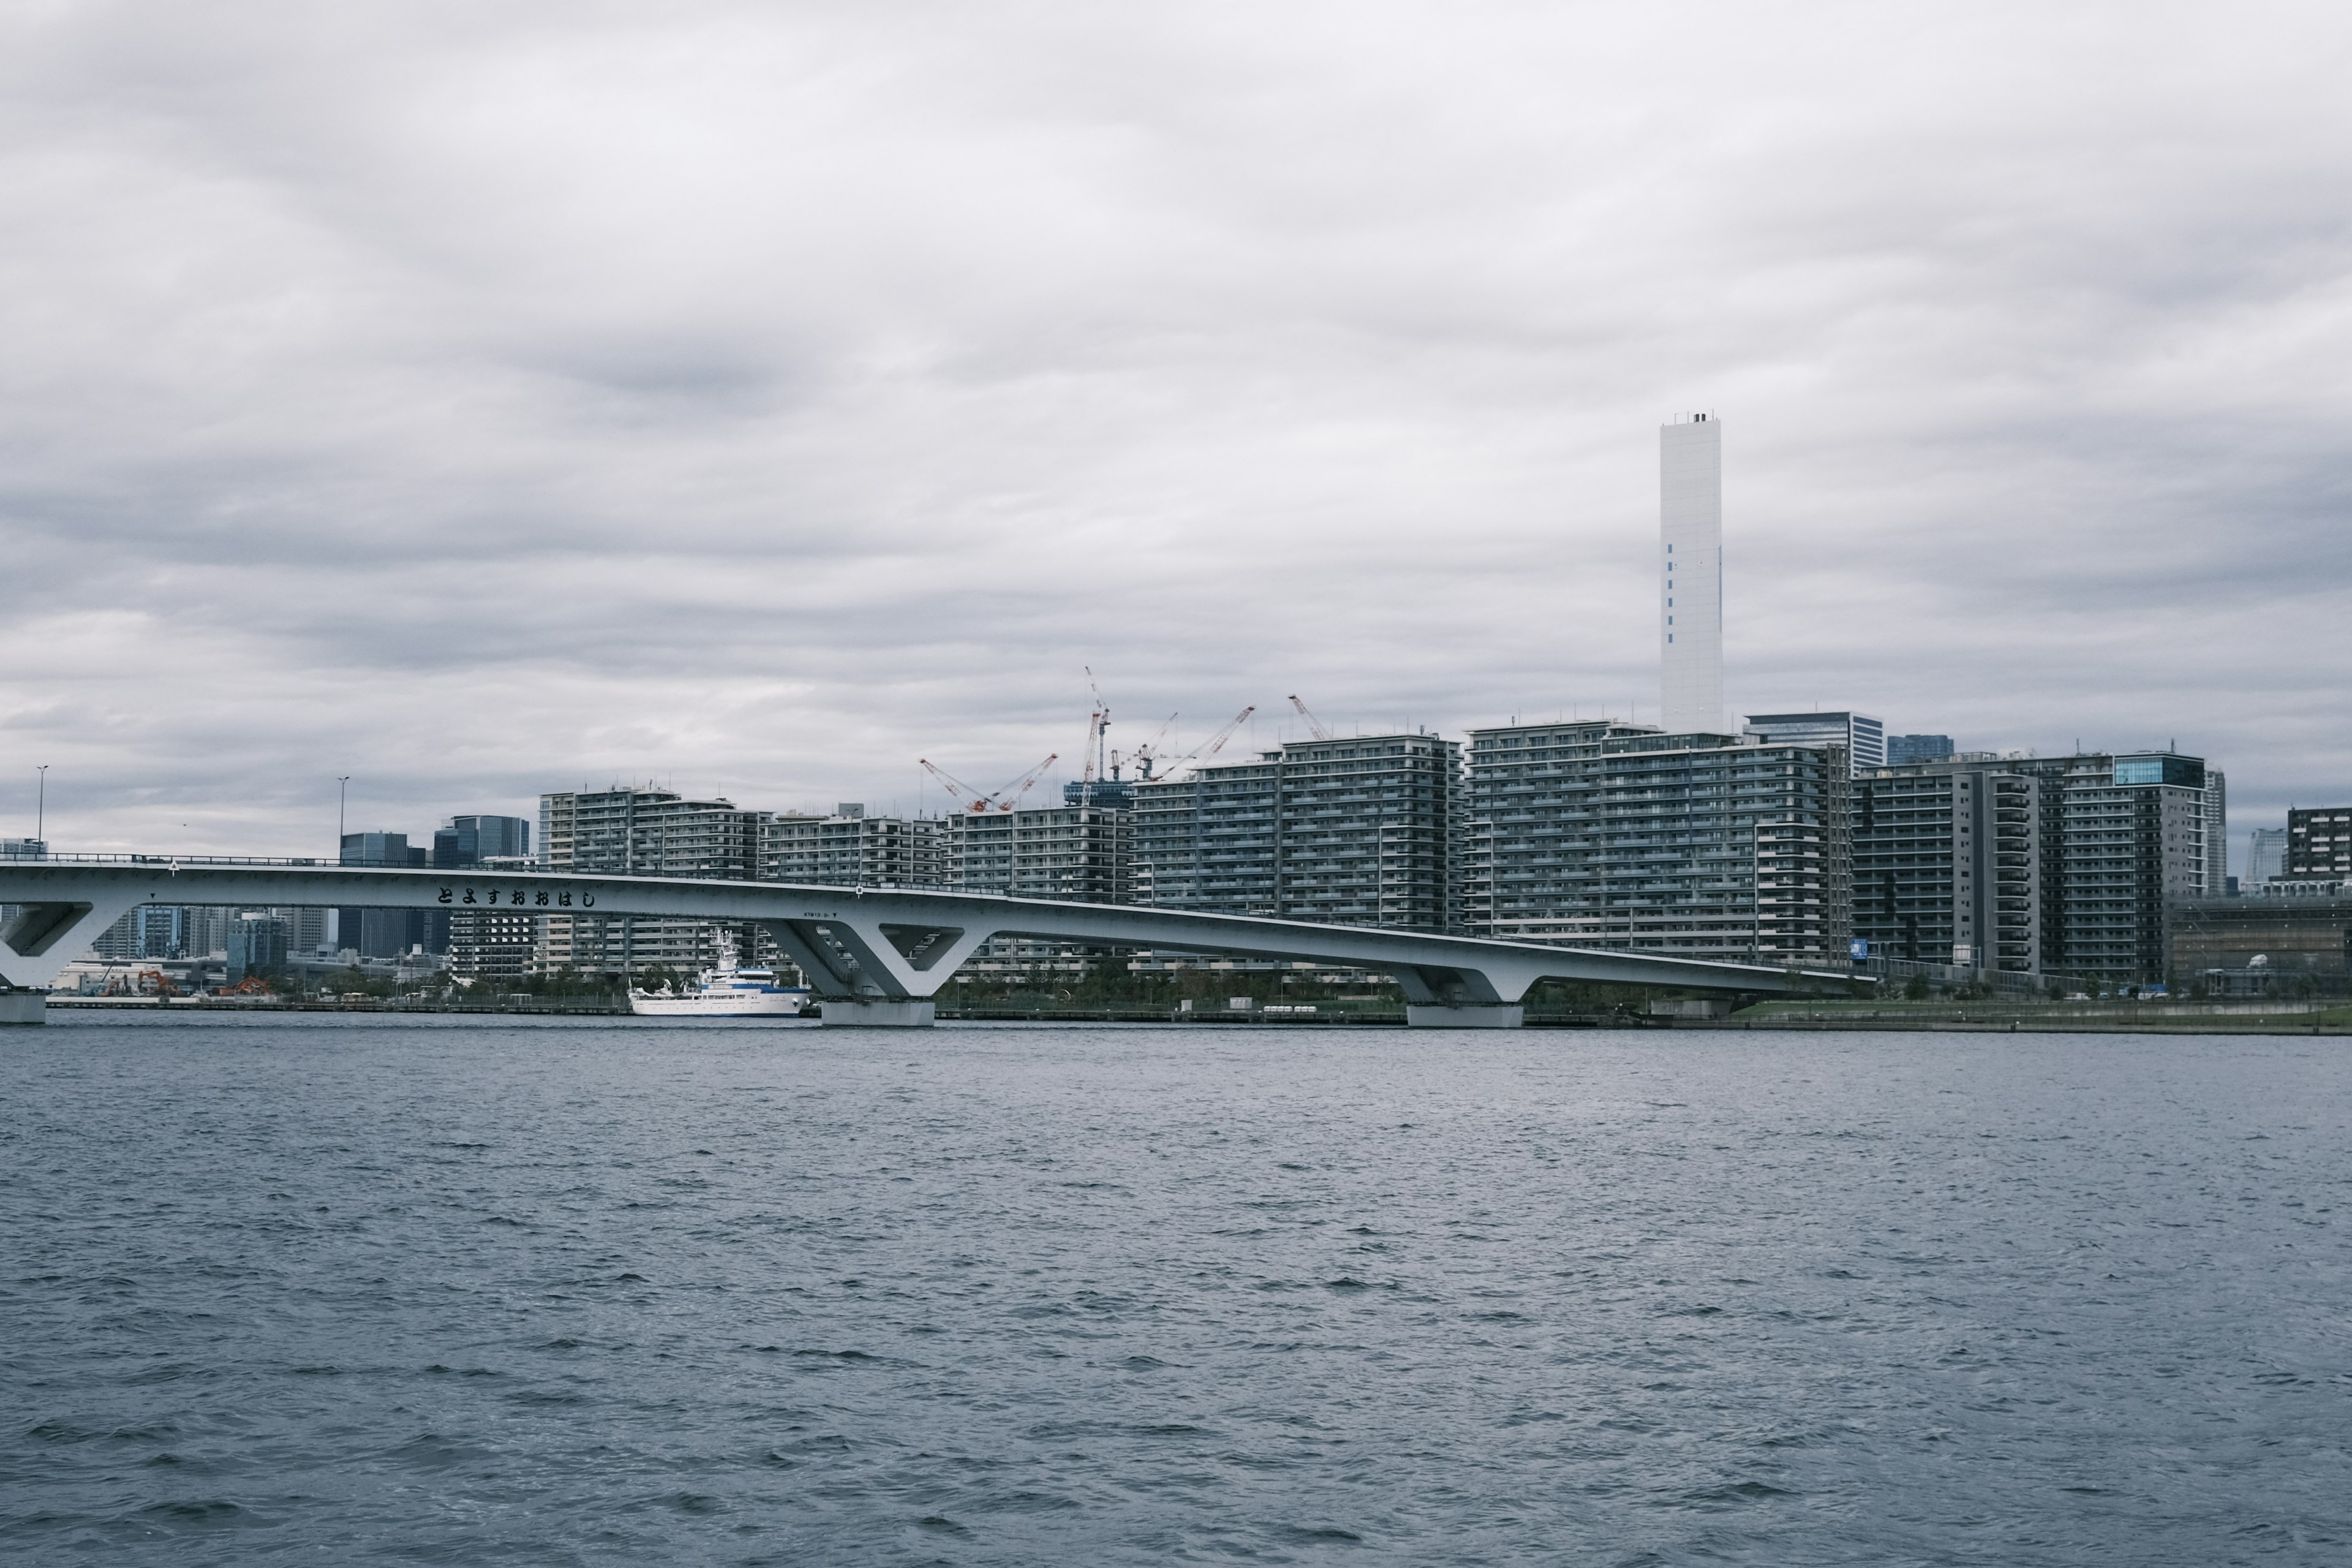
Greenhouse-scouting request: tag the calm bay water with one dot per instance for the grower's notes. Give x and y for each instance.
(437, 1290)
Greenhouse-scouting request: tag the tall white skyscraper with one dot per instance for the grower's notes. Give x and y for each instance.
(1690, 598)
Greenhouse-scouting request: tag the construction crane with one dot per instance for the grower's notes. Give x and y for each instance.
(1147, 755)
(1098, 732)
(1021, 785)
(1314, 725)
(1209, 747)
(973, 801)
(1217, 742)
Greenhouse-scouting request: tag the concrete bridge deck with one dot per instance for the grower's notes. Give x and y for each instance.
(874, 955)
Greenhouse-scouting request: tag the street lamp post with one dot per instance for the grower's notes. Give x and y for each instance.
(41, 808)
(342, 792)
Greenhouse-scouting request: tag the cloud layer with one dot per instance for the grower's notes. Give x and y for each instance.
(758, 399)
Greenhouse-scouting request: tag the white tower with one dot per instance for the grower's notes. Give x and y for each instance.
(1690, 595)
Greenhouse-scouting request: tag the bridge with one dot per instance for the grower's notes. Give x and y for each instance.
(873, 955)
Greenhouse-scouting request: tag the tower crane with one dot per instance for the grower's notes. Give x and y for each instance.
(1098, 732)
(1314, 725)
(1147, 755)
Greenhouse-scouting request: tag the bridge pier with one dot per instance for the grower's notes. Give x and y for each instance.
(878, 1012)
(1471, 1015)
(24, 1007)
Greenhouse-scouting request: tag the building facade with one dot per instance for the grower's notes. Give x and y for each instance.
(1077, 854)
(1864, 737)
(1365, 831)
(1690, 574)
(1901, 751)
(256, 945)
(2266, 857)
(2285, 945)
(1947, 865)
(2318, 843)
(2123, 843)
(851, 850)
(632, 831)
(478, 839)
(1618, 836)
(495, 947)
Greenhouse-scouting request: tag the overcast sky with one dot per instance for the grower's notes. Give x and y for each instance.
(754, 398)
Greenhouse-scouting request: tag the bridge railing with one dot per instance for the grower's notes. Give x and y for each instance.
(54, 858)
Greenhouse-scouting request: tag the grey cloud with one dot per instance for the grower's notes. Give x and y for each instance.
(480, 402)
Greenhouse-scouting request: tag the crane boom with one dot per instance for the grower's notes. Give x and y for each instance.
(966, 796)
(1217, 742)
(1010, 795)
(1314, 725)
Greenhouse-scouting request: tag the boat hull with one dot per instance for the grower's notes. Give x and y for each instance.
(743, 1004)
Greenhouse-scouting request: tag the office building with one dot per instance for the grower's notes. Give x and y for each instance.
(1862, 737)
(1901, 751)
(2123, 848)
(473, 840)
(256, 945)
(1365, 831)
(380, 933)
(2266, 857)
(1690, 575)
(632, 831)
(306, 929)
(1076, 854)
(1947, 865)
(1618, 835)
(2318, 844)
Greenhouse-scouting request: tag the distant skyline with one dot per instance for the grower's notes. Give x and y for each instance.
(756, 400)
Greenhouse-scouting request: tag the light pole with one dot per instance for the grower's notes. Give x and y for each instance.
(41, 808)
(343, 793)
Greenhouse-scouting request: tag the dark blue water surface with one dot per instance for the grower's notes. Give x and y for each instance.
(447, 1291)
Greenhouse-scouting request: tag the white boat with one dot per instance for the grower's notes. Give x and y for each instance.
(728, 993)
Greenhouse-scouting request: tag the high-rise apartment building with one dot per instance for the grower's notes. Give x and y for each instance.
(1901, 751)
(1947, 865)
(2318, 843)
(851, 850)
(2217, 834)
(494, 946)
(1690, 575)
(1618, 835)
(631, 832)
(1364, 831)
(2123, 847)
(1864, 737)
(1076, 854)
